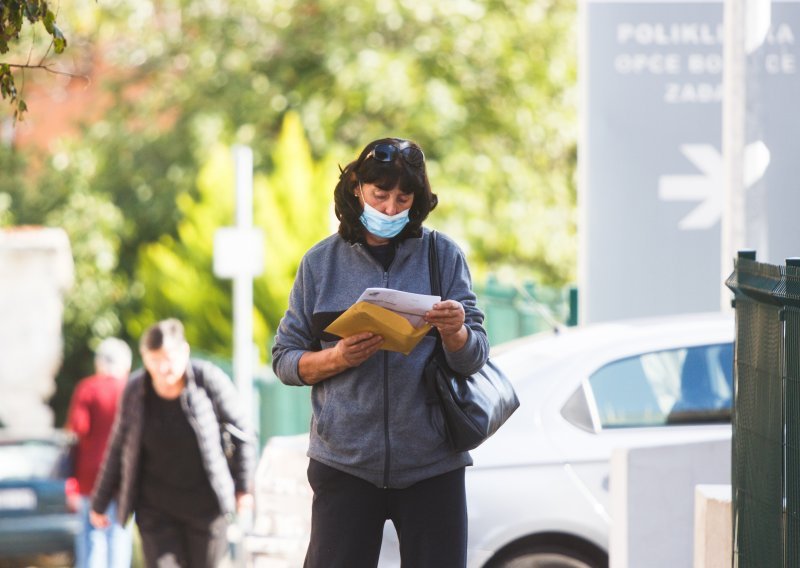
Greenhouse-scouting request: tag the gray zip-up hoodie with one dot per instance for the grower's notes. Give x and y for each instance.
(376, 421)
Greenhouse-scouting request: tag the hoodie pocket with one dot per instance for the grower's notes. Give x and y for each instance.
(323, 416)
(420, 440)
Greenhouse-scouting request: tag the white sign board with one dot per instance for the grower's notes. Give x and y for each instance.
(651, 169)
(238, 252)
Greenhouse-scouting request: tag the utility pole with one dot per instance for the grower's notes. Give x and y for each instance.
(746, 25)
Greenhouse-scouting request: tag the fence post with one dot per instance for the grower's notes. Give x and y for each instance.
(572, 319)
(791, 307)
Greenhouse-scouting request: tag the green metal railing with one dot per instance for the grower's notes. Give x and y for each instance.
(766, 413)
(518, 310)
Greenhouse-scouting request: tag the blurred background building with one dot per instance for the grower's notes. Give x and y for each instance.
(36, 271)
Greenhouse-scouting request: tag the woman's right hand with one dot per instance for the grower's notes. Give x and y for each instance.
(316, 366)
(356, 349)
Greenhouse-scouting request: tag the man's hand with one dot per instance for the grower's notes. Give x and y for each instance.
(98, 520)
(244, 502)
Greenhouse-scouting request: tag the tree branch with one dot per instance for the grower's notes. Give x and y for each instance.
(47, 68)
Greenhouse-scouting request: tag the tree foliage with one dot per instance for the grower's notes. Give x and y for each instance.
(14, 16)
(293, 202)
(487, 87)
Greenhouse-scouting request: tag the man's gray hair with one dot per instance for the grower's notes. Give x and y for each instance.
(113, 357)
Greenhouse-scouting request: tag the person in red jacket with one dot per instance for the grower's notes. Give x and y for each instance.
(91, 416)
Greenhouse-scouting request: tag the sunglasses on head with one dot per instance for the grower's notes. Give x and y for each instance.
(386, 153)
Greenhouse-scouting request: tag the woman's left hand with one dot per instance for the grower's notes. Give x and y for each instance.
(447, 317)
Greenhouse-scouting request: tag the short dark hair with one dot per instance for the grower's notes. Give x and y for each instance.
(386, 175)
(166, 331)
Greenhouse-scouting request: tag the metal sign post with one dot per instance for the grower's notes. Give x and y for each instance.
(239, 254)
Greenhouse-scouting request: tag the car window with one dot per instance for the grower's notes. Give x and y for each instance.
(676, 386)
(30, 460)
(577, 411)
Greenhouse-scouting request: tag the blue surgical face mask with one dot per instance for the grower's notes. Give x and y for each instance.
(382, 225)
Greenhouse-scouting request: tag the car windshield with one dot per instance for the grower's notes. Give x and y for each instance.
(29, 460)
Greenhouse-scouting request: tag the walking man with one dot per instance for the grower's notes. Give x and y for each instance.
(167, 460)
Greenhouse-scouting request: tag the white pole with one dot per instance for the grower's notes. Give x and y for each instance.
(733, 142)
(243, 284)
(243, 323)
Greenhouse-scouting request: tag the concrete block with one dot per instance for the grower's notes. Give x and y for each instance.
(283, 505)
(652, 500)
(713, 531)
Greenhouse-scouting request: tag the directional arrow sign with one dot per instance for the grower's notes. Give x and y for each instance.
(707, 188)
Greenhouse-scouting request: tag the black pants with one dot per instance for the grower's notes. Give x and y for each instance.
(348, 515)
(170, 542)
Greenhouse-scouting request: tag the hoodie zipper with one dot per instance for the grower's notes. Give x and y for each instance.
(387, 444)
(388, 460)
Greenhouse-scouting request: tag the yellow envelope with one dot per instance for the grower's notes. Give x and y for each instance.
(397, 332)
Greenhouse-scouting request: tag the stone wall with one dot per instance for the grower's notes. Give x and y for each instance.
(36, 270)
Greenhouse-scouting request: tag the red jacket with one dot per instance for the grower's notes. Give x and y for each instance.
(91, 416)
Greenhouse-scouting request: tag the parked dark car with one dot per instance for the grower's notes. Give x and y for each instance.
(38, 523)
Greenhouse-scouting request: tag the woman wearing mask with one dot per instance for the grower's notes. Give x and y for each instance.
(378, 449)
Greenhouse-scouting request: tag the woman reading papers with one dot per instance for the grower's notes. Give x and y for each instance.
(378, 448)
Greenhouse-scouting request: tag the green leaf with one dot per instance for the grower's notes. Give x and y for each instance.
(7, 87)
(59, 41)
(49, 22)
(32, 11)
(19, 113)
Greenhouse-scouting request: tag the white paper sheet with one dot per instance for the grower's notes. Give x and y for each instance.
(410, 306)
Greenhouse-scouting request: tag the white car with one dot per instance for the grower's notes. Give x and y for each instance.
(538, 494)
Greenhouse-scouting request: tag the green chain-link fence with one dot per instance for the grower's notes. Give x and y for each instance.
(766, 414)
(517, 310)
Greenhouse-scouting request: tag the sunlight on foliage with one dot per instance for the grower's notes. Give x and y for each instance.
(290, 206)
(487, 87)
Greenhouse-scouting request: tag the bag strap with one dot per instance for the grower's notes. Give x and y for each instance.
(436, 282)
(433, 267)
(225, 428)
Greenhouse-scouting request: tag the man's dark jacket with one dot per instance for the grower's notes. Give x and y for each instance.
(209, 400)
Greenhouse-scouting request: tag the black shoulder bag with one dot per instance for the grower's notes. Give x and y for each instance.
(474, 406)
